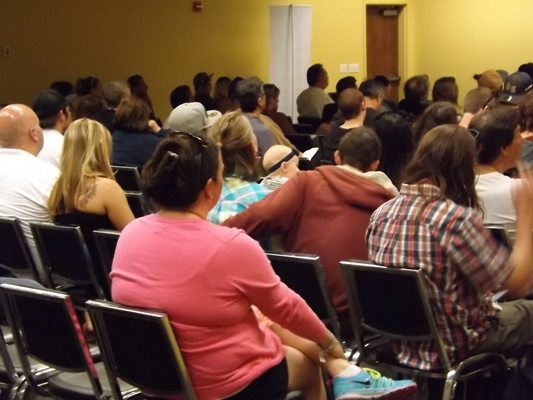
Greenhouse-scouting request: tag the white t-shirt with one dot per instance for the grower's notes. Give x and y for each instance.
(52, 148)
(25, 186)
(311, 102)
(495, 193)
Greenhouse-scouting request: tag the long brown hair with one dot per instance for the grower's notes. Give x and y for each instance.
(235, 135)
(446, 158)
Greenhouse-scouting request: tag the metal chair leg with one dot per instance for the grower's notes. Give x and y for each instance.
(449, 386)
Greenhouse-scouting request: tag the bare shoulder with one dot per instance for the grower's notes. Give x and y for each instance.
(106, 183)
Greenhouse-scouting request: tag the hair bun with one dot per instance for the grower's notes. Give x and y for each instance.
(477, 76)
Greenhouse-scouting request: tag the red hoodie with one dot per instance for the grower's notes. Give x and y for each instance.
(324, 212)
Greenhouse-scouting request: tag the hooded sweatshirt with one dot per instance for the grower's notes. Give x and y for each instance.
(324, 212)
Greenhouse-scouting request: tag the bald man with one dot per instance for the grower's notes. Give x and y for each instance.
(25, 181)
(281, 163)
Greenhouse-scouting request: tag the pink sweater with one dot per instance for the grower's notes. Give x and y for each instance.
(206, 277)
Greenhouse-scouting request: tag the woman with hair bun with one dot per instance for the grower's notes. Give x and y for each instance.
(206, 278)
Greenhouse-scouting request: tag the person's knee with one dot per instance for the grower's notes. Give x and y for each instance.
(303, 373)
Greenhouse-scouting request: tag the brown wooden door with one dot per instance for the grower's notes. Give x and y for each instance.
(382, 46)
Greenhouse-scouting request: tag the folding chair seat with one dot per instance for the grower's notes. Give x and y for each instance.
(66, 259)
(46, 329)
(394, 303)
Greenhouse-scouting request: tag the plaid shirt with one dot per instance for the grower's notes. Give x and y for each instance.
(461, 261)
(237, 195)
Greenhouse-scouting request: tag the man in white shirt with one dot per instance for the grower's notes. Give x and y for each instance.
(55, 115)
(25, 181)
(311, 101)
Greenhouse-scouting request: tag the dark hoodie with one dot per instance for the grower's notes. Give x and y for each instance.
(324, 212)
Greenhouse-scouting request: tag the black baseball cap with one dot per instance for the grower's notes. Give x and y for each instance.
(49, 102)
(201, 79)
(515, 87)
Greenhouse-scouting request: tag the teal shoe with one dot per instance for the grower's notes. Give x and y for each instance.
(370, 385)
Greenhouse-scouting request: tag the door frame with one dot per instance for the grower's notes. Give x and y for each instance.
(402, 38)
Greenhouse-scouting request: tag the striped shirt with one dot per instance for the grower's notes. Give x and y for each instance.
(237, 195)
(461, 261)
(273, 182)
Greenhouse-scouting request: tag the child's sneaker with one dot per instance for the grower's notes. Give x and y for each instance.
(369, 384)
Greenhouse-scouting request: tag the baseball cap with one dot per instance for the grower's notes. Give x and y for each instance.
(490, 79)
(201, 79)
(192, 118)
(49, 102)
(515, 87)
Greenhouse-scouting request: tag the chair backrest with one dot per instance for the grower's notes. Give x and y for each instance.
(304, 128)
(499, 233)
(128, 178)
(301, 141)
(392, 302)
(137, 204)
(15, 256)
(303, 274)
(65, 255)
(310, 121)
(106, 243)
(304, 164)
(139, 347)
(45, 328)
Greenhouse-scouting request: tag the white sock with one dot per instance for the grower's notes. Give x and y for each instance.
(351, 370)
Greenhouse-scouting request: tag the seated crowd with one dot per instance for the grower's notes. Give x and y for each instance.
(404, 185)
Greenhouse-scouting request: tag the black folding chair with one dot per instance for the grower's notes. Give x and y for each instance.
(394, 303)
(106, 242)
(47, 330)
(137, 204)
(66, 258)
(301, 141)
(316, 122)
(138, 346)
(15, 255)
(128, 178)
(499, 233)
(303, 273)
(304, 128)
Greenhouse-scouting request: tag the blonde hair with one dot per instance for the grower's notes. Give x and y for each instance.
(86, 154)
(235, 135)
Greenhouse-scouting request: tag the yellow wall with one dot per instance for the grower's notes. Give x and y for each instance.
(168, 43)
(161, 39)
(463, 37)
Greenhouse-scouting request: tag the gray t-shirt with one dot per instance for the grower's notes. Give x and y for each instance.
(264, 136)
